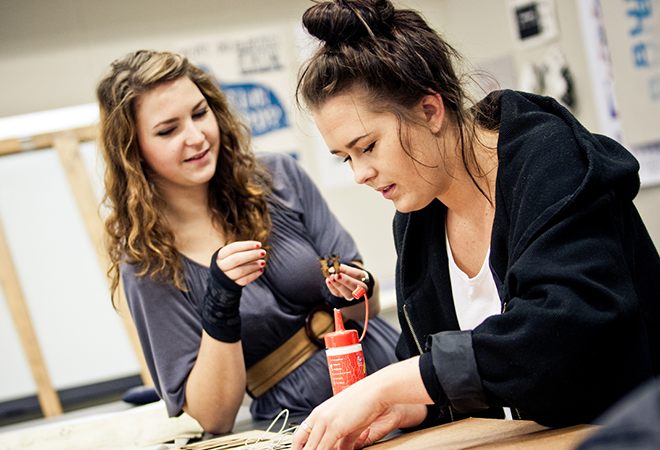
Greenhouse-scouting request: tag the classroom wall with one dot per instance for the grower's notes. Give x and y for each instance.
(53, 53)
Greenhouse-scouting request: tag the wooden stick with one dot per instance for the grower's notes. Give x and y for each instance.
(67, 145)
(44, 141)
(48, 399)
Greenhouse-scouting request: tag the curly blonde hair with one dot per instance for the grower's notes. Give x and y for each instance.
(136, 230)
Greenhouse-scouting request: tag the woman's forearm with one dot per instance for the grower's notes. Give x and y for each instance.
(401, 383)
(216, 385)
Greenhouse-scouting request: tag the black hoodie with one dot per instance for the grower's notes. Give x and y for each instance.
(576, 271)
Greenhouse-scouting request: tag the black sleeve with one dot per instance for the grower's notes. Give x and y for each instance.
(220, 316)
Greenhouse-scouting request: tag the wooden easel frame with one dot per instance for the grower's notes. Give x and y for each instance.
(67, 145)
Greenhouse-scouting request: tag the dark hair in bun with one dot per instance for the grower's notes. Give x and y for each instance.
(348, 22)
(391, 52)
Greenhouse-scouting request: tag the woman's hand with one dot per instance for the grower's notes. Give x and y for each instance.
(356, 427)
(343, 284)
(242, 261)
(342, 419)
(394, 397)
(397, 416)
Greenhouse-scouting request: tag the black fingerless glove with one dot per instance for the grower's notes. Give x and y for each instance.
(220, 316)
(341, 302)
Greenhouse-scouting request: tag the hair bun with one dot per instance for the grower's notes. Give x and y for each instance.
(348, 21)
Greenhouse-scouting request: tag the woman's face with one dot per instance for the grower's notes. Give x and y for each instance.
(370, 143)
(178, 134)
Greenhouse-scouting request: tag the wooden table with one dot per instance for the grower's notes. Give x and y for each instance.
(490, 434)
(473, 434)
(147, 427)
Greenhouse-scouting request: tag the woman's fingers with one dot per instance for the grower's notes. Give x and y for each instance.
(238, 247)
(363, 439)
(349, 441)
(315, 436)
(351, 271)
(300, 438)
(242, 261)
(302, 435)
(321, 437)
(245, 273)
(339, 421)
(249, 276)
(344, 283)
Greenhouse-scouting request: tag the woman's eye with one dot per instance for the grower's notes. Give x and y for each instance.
(369, 148)
(200, 113)
(166, 132)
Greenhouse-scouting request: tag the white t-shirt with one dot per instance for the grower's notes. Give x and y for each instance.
(476, 298)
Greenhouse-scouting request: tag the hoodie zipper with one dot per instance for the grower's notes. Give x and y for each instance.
(419, 348)
(504, 305)
(412, 331)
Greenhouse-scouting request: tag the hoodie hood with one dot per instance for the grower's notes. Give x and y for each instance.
(548, 163)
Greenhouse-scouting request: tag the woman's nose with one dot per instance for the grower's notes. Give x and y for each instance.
(363, 171)
(194, 135)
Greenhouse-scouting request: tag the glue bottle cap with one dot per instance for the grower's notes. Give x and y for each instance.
(340, 337)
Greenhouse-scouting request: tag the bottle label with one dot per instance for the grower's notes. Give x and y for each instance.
(345, 369)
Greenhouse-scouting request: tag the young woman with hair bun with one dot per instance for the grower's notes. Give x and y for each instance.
(526, 280)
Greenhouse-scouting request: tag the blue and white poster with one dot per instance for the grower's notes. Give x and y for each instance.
(254, 69)
(633, 36)
(622, 43)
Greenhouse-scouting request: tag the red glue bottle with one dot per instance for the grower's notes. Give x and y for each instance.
(345, 358)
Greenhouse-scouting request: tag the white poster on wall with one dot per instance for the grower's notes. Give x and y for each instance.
(253, 68)
(621, 100)
(633, 35)
(649, 163)
(600, 68)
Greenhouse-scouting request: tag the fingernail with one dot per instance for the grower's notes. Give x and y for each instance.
(262, 253)
(339, 276)
(263, 263)
(258, 245)
(261, 270)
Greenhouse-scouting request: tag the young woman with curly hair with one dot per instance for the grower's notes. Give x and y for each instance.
(218, 248)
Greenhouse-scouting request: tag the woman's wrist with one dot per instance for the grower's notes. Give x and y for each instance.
(401, 383)
(220, 315)
(367, 278)
(412, 417)
(401, 388)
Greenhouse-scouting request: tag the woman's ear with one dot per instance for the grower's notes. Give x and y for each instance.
(434, 111)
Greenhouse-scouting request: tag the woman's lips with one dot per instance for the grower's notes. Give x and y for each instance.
(198, 156)
(388, 191)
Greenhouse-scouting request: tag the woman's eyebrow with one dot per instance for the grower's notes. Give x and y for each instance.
(351, 144)
(174, 119)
